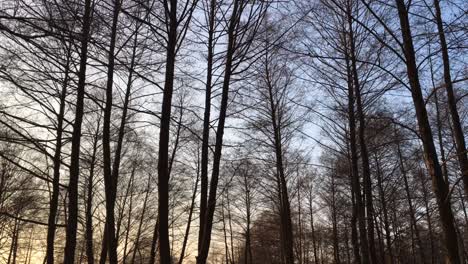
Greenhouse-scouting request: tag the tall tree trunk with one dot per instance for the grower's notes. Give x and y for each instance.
(439, 185)
(206, 125)
(231, 236)
(211, 204)
(121, 133)
(428, 217)
(346, 238)
(385, 210)
(379, 233)
(154, 243)
(163, 161)
(336, 250)
(362, 142)
(299, 222)
(13, 242)
(89, 202)
(452, 101)
(142, 217)
(72, 222)
(57, 161)
(312, 229)
(286, 223)
(189, 221)
(226, 247)
(247, 200)
(356, 185)
(109, 180)
(130, 208)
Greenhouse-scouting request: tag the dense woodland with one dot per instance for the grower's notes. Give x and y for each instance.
(233, 131)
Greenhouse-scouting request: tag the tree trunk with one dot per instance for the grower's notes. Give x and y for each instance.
(428, 217)
(312, 229)
(208, 218)
(89, 202)
(72, 222)
(286, 223)
(163, 161)
(362, 144)
(452, 101)
(154, 243)
(384, 209)
(430, 155)
(336, 250)
(129, 220)
(206, 126)
(109, 180)
(13, 242)
(140, 225)
(57, 161)
(356, 186)
(189, 221)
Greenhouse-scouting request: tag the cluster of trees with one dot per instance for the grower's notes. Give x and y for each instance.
(233, 131)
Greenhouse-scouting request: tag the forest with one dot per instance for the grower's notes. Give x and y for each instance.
(234, 131)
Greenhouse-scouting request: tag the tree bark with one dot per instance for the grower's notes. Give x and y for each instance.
(206, 125)
(362, 143)
(286, 223)
(72, 222)
(211, 205)
(163, 161)
(89, 202)
(452, 101)
(109, 179)
(140, 225)
(57, 161)
(439, 185)
(189, 221)
(384, 208)
(356, 186)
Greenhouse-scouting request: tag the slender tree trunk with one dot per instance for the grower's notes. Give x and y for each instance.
(129, 220)
(248, 246)
(206, 125)
(353, 222)
(123, 120)
(72, 222)
(312, 229)
(154, 243)
(428, 217)
(211, 204)
(231, 236)
(380, 240)
(346, 238)
(57, 161)
(286, 222)
(300, 248)
(163, 161)
(439, 185)
(30, 248)
(362, 143)
(140, 225)
(452, 101)
(356, 186)
(440, 138)
(385, 211)
(13, 242)
(189, 221)
(336, 250)
(89, 202)
(109, 180)
(104, 247)
(226, 248)
(15, 245)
